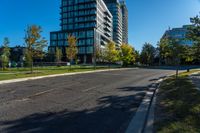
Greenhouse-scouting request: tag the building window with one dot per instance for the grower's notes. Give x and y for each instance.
(53, 43)
(81, 50)
(90, 33)
(65, 43)
(60, 36)
(82, 34)
(90, 50)
(60, 43)
(90, 41)
(81, 42)
(54, 36)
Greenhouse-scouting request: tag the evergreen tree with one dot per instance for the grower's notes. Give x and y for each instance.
(147, 54)
(194, 35)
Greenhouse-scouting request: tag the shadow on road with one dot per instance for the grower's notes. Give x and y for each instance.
(135, 88)
(111, 115)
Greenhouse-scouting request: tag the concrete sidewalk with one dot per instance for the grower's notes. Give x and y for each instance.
(196, 79)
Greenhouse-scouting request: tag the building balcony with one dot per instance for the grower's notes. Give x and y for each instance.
(108, 24)
(107, 14)
(108, 19)
(108, 34)
(106, 28)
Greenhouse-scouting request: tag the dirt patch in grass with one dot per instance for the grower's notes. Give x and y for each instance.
(177, 107)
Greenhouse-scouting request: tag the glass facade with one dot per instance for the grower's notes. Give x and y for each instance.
(89, 21)
(180, 34)
(115, 9)
(124, 22)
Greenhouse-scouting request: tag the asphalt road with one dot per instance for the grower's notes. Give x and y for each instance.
(102, 102)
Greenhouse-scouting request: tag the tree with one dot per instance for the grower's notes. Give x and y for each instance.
(171, 49)
(127, 54)
(35, 44)
(111, 54)
(137, 56)
(50, 56)
(28, 59)
(5, 55)
(99, 53)
(58, 54)
(164, 50)
(194, 35)
(147, 54)
(188, 54)
(177, 52)
(71, 50)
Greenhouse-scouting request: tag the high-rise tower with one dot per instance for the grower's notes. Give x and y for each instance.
(124, 22)
(115, 9)
(89, 21)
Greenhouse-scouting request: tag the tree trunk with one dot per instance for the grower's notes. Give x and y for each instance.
(177, 72)
(160, 61)
(32, 67)
(70, 65)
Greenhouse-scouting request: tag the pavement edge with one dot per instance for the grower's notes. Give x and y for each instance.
(143, 120)
(58, 75)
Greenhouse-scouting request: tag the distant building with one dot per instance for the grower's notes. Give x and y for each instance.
(124, 22)
(114, 7)
(17, 54)
(179, 34)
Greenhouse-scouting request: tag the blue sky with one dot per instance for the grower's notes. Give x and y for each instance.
(148, 19)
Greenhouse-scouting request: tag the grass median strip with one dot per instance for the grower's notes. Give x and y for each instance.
(178, 106)
(43, 71)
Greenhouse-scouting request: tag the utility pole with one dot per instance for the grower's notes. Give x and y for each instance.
(94, 51)
(95, 46)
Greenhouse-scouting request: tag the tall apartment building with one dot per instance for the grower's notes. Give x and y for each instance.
(124, 22)
(115, 8)
(89, 21)
(93, 23)
(179, 34)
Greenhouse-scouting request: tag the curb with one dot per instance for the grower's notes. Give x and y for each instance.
(193, 78)
(149, 125)
(143, 120)
(58, 75)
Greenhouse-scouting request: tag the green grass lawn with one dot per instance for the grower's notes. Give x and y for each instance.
(15, 73)
(178, 106)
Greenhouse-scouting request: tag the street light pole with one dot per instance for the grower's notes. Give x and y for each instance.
(94, 49)
(95, 45)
